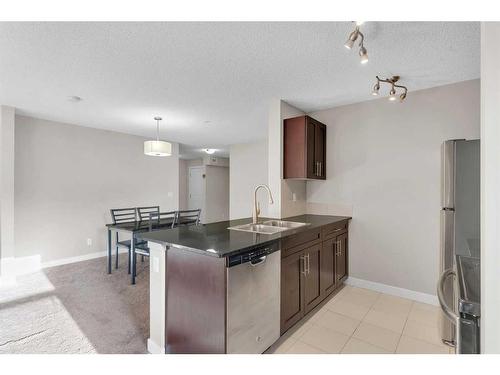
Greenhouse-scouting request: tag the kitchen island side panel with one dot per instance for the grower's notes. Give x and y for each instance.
(196, 303)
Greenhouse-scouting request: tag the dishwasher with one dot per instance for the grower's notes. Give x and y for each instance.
(253, 300)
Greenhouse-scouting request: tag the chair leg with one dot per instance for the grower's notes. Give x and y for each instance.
(129, 261)
(116, 260)
(142, 258)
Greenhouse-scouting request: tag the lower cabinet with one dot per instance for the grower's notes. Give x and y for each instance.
(309, 273)
(300, 284)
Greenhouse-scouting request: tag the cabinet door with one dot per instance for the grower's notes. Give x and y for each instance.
(328, 276)
(312, 277)
(320, 149)
(311, 162)
(292, 289)
(341, 256)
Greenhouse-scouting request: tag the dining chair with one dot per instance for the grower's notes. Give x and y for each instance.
(188, 217)
(155, 219)
(124, 215)
(143, 212)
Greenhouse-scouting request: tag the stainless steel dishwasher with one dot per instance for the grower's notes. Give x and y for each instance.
(253, 300)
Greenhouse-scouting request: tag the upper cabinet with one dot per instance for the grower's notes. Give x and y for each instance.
(304, 148)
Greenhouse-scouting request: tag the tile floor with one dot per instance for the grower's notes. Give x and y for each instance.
(361, 321)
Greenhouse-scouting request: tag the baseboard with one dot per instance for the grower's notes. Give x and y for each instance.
(154, 348)
(79, 258)
(394, 291)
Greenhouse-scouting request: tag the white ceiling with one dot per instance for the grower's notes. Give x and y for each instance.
(212, 82)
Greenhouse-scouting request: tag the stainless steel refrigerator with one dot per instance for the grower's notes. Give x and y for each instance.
(458, 286)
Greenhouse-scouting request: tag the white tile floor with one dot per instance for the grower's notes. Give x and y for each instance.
(361, 321)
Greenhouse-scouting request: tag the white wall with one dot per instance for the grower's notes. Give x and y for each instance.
(183, 184)
(217, 194)
(490, 187)
(283, 190)
(247, 168)
(6, 183)
(68, 177)
(383, 165)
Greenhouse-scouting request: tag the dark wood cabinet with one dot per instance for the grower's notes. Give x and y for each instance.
(304, 150)
(292, 290)
(341, 257)
(313, 265)
(300, 284)
(312, 275)
(328, 272)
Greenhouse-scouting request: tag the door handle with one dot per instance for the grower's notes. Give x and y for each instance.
(448, 311)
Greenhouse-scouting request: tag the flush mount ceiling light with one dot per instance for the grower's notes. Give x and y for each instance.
(392, 94)
(74, 99)
(209, 151)
(363, 54)
(157, 148)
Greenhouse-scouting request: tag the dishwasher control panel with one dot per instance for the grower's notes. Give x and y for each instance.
(250, 255)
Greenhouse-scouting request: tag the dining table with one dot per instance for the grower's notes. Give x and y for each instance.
(135, 229)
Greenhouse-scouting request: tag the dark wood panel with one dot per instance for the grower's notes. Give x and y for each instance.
(328, 274)
(290, 245)
(312, 171)
(292, 308)
(341, 258)
(294, 147)
(333, 230)
(196, 303)
(312, 282)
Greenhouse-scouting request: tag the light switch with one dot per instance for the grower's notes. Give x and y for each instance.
(294, 197)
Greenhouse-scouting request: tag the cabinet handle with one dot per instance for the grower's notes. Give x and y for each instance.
(316, 171)
(303, 258)
(321, 169)
(308, 264)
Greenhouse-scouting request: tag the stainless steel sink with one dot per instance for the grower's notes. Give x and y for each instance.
(268, 227)
(284, 224)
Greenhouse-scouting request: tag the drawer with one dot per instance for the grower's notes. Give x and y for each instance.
(297, 242)
(333, 230)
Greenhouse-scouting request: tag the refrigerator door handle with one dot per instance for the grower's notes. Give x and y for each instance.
(448, 311)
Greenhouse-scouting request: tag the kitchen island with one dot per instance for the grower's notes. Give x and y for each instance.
(189, 277)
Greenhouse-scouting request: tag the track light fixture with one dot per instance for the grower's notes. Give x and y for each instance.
(363, 54)
(392, 94)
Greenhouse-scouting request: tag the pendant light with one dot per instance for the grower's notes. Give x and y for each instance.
(157, 148)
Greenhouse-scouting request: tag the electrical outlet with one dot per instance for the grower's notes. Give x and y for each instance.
(294, 197)
(89, 241)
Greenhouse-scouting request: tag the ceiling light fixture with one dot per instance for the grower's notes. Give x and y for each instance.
(209, 151)
(363, 54)
(392, 94)
(157, 147)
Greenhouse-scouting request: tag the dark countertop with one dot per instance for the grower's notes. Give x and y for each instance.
(216, 240)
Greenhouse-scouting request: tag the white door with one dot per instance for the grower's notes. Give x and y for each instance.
(196, 189)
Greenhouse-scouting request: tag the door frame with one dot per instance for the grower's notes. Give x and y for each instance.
(202, 168)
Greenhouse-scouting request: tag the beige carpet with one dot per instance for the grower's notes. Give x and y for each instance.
(76, 308)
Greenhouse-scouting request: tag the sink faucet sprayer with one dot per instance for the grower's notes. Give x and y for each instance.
(256, 205)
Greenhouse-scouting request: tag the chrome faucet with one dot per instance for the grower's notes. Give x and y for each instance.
(256, 205)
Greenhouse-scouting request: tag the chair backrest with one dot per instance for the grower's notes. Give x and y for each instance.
(122, 215)
(143, 212)
(188, 217)
(156, 217)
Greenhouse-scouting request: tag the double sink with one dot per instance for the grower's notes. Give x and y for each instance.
(269, 226)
